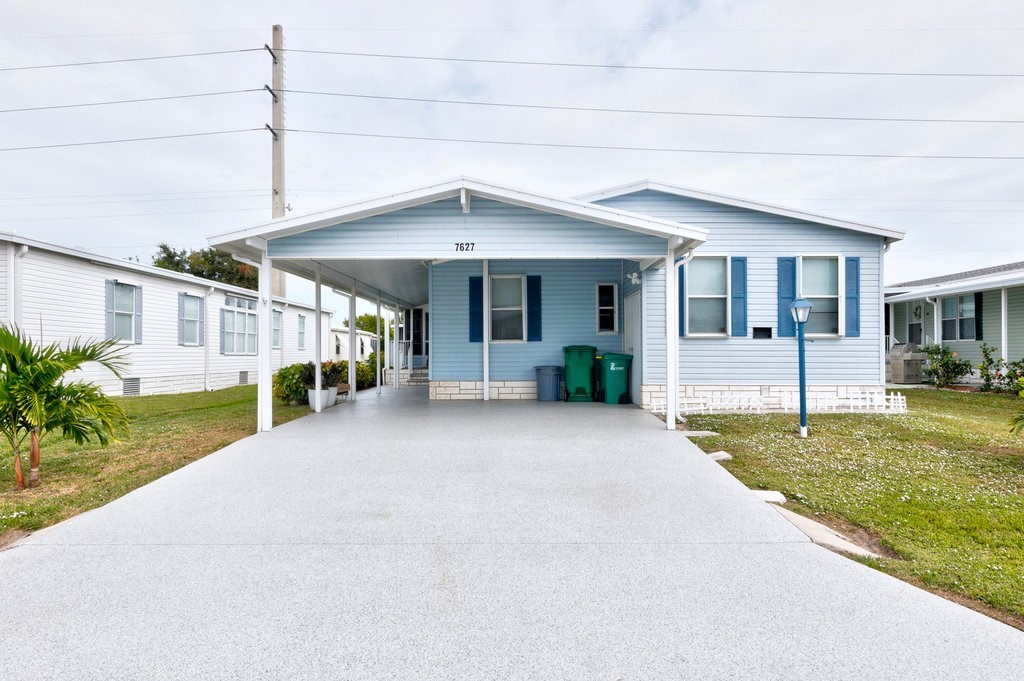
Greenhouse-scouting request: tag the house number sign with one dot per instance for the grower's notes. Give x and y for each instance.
(465, 245)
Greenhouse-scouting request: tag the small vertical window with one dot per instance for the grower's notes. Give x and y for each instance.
(707, 295)
(302, 332)
(819, 284)
(124, 312)
(276, 335)
(190, 307)
(607, 308)
(508, 322)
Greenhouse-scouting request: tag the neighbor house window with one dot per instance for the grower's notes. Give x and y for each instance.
(238, 332)
(276, 329)
(124, 312)
(707, 295)
(190, 311)
(607, 308)
(819, 284)
(958, 318)
(302, 332)
(508, 321)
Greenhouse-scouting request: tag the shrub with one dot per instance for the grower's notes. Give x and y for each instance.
(331, 374)
(990, 368)
(944, 366)
(1007, 379)
(288, 385)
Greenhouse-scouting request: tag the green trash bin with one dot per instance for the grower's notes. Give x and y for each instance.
(579, 372)
(615, 377)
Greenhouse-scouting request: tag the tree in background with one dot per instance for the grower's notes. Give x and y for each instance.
(208, 263)
(368, 322)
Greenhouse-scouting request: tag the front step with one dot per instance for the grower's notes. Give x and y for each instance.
(419, 376)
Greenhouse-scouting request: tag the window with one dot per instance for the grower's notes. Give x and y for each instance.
(302, 332)
(276, 330)
(508, 323)
(819, 284)
(238, 332)
(337, 345)
(191, 307)
(607, 308)
(124, 312)
(707, 295)
(958, 322)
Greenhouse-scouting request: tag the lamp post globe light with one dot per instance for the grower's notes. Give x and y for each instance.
(801, 311)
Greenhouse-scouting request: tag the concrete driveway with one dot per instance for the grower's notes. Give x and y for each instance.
(395, 538)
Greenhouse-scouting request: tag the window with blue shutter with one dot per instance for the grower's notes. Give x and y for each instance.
(476, 309)
(533, 309)
(738, 293)
(787, 294)
(853, 297)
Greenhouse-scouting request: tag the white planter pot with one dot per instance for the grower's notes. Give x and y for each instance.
(328, 396)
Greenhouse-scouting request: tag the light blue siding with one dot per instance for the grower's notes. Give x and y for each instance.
(761, 238)
(496, 230)
(569, 309)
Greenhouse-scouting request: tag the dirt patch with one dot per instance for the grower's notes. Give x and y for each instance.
(1014, 621)
(862, 537)
(10, 536)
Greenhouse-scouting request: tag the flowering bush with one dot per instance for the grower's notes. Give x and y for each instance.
(990, 369)
(1007, 380)
(945, 366)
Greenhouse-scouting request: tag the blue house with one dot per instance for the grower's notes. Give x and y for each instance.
(493, 281)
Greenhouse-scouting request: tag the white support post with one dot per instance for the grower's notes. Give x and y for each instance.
(264, 389)
(318, 344)
(380, 346)
(937, 321)
(352, 344)
(671, 338)
(487, 330)
(394, 347)
(1004, 319)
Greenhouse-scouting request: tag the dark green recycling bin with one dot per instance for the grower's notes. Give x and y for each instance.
(615, 377)
(579, 372)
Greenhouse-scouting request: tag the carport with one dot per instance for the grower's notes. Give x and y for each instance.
(384, 250)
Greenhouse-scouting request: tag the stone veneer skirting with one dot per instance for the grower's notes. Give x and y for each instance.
(772, 397)
(474, 390)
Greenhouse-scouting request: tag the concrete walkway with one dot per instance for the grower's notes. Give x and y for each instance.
(395, 538)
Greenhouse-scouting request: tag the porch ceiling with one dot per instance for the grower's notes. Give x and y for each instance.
(401, 281)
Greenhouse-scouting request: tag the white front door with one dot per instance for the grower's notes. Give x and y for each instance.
(632, 342)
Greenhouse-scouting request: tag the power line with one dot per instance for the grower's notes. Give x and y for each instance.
(640, 67)
(96, 196)
(131, 139)
(130, 200)
(654, 149)
(658, 112)
(133, 215)
(130, 101)
(130, 59)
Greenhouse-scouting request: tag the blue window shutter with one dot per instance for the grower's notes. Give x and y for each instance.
(181, 319)
(109, 307)
(476, 309)
(138, 315)
(853, 297)
(223, 313)
(533, 309)
(202, 321)
(978, 300)
(739, 297)
(787, 294)
(681, 281)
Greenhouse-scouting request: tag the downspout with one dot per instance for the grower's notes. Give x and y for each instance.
(206, 338)
(14, 304)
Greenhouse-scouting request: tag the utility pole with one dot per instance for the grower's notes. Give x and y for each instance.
(277, 142)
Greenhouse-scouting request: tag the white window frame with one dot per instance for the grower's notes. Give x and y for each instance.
(131, 338)
(943, 319)
(276, 329)
(302, 332)
(728, 296)
(521, 308)
(185, 320)
(614, 308)
(244, 314)
(841, 297)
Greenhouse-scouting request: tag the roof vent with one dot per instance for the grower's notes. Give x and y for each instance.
(243, 378)
(131, 387)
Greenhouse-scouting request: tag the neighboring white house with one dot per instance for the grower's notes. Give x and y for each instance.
(181, 333)
(366, 342)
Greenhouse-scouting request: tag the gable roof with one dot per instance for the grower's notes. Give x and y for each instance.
(960, 276)
(890, 235)
(465, 187)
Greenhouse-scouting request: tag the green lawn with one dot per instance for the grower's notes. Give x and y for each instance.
(941, 487)
(167, 432)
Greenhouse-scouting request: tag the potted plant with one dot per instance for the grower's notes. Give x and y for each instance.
(330, 375)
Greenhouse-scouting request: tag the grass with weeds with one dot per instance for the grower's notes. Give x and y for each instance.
(942, 487)
(167, 432)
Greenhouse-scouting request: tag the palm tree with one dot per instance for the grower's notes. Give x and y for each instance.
(1017, 424)
(35, 399)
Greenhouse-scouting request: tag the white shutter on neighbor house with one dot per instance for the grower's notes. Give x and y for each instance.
(108, 324)
(138, 315)
(181, 319)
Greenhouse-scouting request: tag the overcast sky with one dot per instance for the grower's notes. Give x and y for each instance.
(123, 199)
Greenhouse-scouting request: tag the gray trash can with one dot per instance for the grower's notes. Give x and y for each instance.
(548, 380)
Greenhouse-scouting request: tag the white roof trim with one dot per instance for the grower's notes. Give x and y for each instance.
(903, 293)
(462, 187)
(143, 269)
(890, 235)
